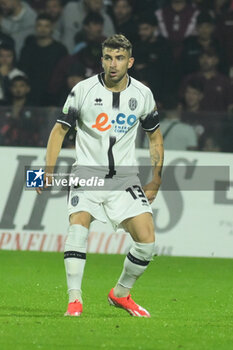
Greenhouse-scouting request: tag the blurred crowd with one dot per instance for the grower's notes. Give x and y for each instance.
(183, 51)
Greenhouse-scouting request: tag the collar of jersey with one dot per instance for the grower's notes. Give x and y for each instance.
(101, 80)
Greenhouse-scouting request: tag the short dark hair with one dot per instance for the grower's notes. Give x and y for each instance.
(93, 17)
(129, 2)
(44, 17)
(196, 84)
(7, 47)
(148, 18)
(205, 17)
(10, 48)
(118, 41)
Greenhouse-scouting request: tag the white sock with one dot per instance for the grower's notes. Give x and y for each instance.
(75, 294)
(75, 260)
(135, 264)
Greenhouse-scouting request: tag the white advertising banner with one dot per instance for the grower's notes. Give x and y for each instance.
(193, 212)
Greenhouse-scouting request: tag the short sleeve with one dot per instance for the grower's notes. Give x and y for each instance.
(69, 112)
(150, 118)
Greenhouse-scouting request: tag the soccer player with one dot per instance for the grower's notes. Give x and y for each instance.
(106, 110)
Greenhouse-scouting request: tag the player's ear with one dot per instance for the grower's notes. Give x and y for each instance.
(131, 62)
(102, 62)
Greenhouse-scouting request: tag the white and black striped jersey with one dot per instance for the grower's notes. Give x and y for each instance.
(107, 121)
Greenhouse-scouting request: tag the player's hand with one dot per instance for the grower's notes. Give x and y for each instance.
(151, 190)
(47, 180)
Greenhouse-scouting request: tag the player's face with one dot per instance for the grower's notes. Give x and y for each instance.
(116, 63)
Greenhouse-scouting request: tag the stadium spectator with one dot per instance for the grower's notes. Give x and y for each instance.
(123, 19)
(54, 9)
(191, 107)
(221, 7)
(75, 74)
(147, 6)
(204, 6)
(92, 32)
(39, 56)
(206, 124)
(210, 143)
(18, 21)
(225, 34)
(88, 53)
(194, 45)
(218, 94)
(177, 135)
(20, 125)
(37, 5)
(153, 57)
(193, 96)
(176, 22)
(40, 5)
(73, 16)
(7, 71)
(6, 40)
(19, 94)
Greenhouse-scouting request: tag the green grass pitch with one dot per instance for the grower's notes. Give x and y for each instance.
(190, 300)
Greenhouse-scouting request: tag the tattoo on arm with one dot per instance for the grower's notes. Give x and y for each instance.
(157, 157)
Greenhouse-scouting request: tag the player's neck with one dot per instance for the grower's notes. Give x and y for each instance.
(116, 86)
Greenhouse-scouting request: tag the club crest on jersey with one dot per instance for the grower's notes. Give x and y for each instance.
(98, 102)
(133, 103)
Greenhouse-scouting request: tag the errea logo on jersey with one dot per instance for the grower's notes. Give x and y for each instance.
(98, 102)
(122, 122)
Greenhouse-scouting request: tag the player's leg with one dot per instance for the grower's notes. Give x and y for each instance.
(141, 228)
(75, 259)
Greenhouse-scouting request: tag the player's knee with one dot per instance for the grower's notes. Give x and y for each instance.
(76, 238)
(148, 235)
(143, 251)
(80, 218)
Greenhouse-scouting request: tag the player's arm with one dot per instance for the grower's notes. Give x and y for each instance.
(157, 157)
(54, 145)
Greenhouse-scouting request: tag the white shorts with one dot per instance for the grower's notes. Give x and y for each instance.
(116, 205)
